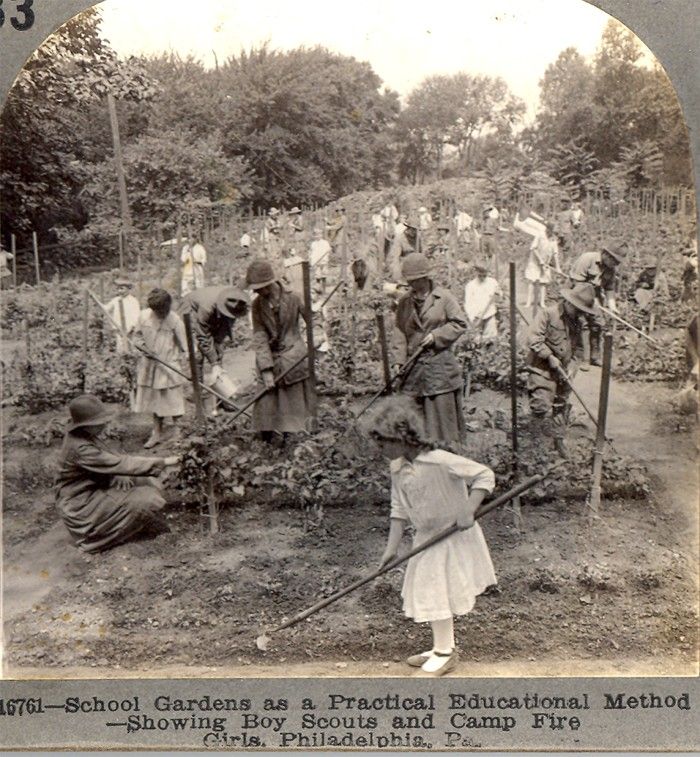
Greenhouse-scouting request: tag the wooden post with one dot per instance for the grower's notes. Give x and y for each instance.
(121, 179)
(600, 436)
(381, 327)
(212, 501)
(139, 282)
(178, 274)
(27, 341)
(86, 335)
(196, 390)
(313, 411)
(35, 244)
(121, 251)
(13, 250)
(514, 386)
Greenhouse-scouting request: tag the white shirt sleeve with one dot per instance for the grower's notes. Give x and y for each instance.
(398, 509)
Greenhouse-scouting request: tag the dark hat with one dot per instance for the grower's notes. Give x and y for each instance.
(87, 410)
(481, 265)
(259, 274)
(415, 266)
(615, 251)
(582, 297)
(232, 302)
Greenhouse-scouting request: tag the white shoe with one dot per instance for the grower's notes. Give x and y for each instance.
(439, 664)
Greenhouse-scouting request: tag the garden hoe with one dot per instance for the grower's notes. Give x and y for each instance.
(263, 640)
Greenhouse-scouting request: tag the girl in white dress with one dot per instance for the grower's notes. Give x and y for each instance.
(431, 489)
(159, 390)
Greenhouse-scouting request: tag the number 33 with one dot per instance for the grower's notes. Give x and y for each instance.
(25, 8)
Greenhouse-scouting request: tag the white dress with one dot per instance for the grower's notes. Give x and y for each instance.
(480, 302)
(543, 252)
(444, 580)
(193, 259)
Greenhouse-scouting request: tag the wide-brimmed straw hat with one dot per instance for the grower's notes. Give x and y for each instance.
(582, 297)
(259, 274)
(88, 410)
(232, 302)
(294, 211)
(415, 266)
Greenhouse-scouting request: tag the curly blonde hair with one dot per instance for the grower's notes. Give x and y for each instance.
(397, 419)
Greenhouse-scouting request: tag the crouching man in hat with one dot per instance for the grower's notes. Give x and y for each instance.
(105, 498)
(598, 269)
(214, 310)
(551, 339)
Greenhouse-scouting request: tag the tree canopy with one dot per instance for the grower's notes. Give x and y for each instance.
(308, 125)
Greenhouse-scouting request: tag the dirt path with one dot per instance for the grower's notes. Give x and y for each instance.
(633, 425)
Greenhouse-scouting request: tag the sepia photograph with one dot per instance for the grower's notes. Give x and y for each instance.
(351, 342)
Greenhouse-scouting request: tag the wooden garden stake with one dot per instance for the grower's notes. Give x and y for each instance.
(514, 386)
(212, 501)
(35, 244)
(13, 250)
(196, 391)
(27, 341)
(121, 250)
(594, 503)
(122, 315)
(381, 327)
(178, 269)
(139, 282)
(86, 334)
(121, 179)
(308, 313)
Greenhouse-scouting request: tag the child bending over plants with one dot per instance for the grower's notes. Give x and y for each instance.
(431, 489)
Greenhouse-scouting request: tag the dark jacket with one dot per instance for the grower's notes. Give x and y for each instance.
(551, 333)
(437, 370)
(96, 514)
(210, 326)
(276, 337)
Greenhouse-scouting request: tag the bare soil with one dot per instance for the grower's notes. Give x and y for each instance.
(618, 596)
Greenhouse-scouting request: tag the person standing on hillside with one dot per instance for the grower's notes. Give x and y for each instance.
(319, 260)
(544, 251)
(480, 296)
(430, 319)
(124, 309)
(489, 229)
(278, 347)
(551, 340)
(193, 258)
